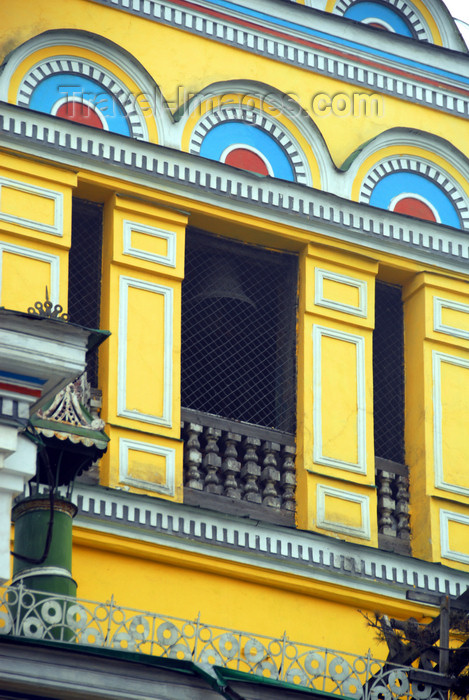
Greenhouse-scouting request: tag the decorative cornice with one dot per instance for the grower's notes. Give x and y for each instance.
(411, 71)
(259, 544)
(215, 183)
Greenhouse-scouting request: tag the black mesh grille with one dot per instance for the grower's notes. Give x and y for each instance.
(238, 332)
(84, 287)
(388, 373)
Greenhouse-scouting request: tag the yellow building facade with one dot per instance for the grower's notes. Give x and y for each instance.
(268, 207)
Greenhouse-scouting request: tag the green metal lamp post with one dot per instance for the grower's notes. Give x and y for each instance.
(51, 573)
(69, 440)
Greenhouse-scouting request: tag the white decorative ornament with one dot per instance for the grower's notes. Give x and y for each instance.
(167, 293)
(363, 531)
(438, 305)
(439, 358)
(321, 300)
(169, 454)
(56, 229)
(130, 227)
(360, 466)
(447, 517)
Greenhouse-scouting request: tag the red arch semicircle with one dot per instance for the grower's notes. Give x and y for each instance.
(80, 113)
(414, 207)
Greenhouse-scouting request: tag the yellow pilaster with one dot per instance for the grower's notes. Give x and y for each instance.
(437, 413)
(143, 266)
(336, 493)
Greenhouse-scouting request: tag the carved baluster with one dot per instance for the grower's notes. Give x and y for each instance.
(402, 508)
(96, 403)
(193, 456)
(270, 474)
(386, 504)
(212, 461)
(251, 470)
(288, 478)
(230, 466)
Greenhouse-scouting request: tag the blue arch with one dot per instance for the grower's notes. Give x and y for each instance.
(228, 133)
(364, 10)
(63, 85)
(395, 184)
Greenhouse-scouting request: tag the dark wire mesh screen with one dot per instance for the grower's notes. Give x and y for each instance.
(239, 332)
(388, 373)
(84, 286)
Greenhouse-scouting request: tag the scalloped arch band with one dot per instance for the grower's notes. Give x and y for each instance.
(287, 147)
(55, 80)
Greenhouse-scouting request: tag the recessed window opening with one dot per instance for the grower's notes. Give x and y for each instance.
(239, 331)
(388, 373)
(84, 288)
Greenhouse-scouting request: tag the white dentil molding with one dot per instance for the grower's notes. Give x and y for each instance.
(304, 209)
(255, 543)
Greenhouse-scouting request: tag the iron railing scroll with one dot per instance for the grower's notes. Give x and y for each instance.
(33, 615)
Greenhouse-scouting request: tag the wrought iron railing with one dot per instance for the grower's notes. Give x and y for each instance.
(392, 481)
(35, 615)
(241, 462)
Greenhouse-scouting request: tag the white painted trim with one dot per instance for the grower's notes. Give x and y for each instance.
(320, 300)
(262, 117)
(381, 22)
(244, 146)
(438, 305)
(412, 195)
(111, 83)
(122, 410)
(437, 359)
(445, 517)
(55, 229)
(169, 236)
(364, 532)
(360, 466)
(432, 145)
(53, 260)
(168, 488)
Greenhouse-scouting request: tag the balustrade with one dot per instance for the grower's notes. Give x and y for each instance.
(239, 463)
(250, 470)
(393, 506)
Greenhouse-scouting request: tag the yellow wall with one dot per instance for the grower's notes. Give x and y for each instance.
(237, 596)
(141, 306)
(336, 494)
(437, 375)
